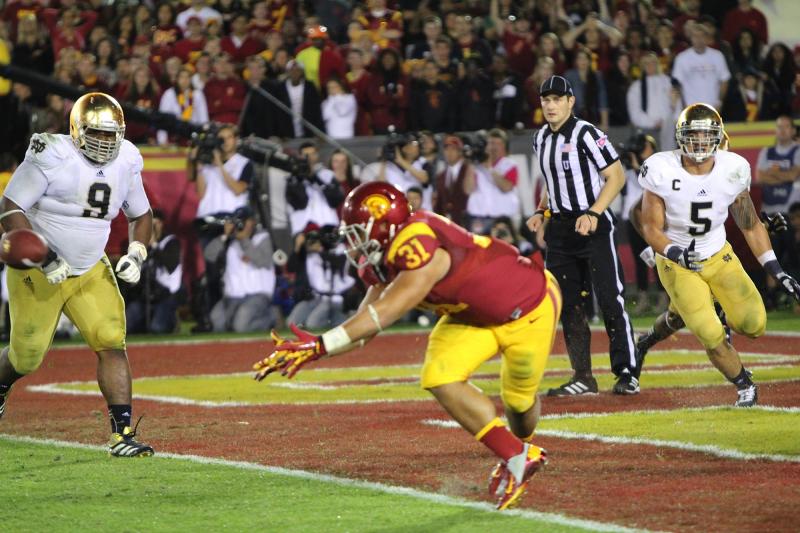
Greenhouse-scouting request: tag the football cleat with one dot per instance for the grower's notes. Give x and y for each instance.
(3, 398)
(626, 384)
(575, 387)
(748, 396)
(124, 445)
(517, 475)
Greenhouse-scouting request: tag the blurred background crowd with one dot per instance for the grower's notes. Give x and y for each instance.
(415, 71)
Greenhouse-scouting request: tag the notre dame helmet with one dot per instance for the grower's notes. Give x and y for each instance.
(371, 215)
(97, 127)
(699, 131)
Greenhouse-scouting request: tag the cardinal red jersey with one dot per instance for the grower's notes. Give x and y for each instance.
(487, 283)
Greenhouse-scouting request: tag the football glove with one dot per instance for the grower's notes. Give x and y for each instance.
(685, 257)
(129, 266)
(290, 356)
(774, 223)
(55, 268)
(790, 285)
(649, 257)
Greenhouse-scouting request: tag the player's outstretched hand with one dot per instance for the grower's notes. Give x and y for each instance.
(290, 356)
(775, 223)
(129, 266)
(790, 285)
(685, 257)
(55, 268)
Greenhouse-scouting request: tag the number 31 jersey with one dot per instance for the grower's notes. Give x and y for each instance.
(696, 206)
(72, 202)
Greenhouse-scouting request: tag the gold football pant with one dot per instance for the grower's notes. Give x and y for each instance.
(92, 301)
(723, 277)
(456, 350)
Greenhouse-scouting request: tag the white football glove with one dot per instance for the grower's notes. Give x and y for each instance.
(129, 266)
(56, 269)
(649, 257)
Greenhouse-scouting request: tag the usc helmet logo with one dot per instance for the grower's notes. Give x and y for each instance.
(377, 205)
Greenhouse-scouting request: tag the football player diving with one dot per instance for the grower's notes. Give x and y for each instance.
(687, 196)
(69, 188)
(490, 298)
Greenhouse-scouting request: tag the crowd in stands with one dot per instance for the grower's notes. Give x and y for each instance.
(423, 69)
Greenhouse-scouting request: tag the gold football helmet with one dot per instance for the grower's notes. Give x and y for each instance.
(97, 127)
(699, 131)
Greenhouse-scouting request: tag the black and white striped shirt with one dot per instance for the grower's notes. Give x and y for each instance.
(571, 160)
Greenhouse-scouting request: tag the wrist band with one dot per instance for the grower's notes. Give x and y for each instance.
(375, 318)
(592, 214)
(11, 212)
(540, 212)
(766, 257)
(335, 339)
(137, 248)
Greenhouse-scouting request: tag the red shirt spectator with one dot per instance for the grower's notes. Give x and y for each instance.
(144, 93)
(359, 79)
(190, 47)
(166, 33)
(239, 44)
(16, 11)
(520, 45)
(71, 29)
(745, 16)
(691, 12)
(384, 25)
(387, 93)
(225, 93)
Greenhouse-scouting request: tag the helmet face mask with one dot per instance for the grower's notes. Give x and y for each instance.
(97, 127)
(699, 132)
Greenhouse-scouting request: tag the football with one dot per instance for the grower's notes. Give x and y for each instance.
(23, 248)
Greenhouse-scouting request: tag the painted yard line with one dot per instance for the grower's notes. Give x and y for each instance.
(555, 518)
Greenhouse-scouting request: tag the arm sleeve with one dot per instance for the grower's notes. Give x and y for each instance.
(260, 254)
(247, 173)
(27, 185)
(214, 249)
(597, 146)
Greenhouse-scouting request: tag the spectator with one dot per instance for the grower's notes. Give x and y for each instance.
(507, 94)
(550, 46)
(751, 99)
(88, 79)
(406, 168)
(429, 149)
(778, 169)
(197, 9)
(339, 110)
(303, 100)
(780, 69)
(598, 38)
(617, 85)
(266, 20)
(69, 30)
(320, 57)
(358, 79)
(144, 93)
(142, 20)
(442, 55)
(239, 44)
(432, 30)
(385, 26)
(183, 101)
(388, 93)
(467, 44)
(691, 14)
(701, 71)
(325, 269)
(456, 183)
(224, 92)
(166, 33)
(502, 228)
(518, 39)
(745, 16)
(495, 193)
(125, 32)
(52, 118)
(591, 98)
(202, 71)
(194, 39)
(15, 12)
(475, 98)
(249, 276)
(152, 308)
(313, 197)
(432, 102)
(33, 49)
(342, 168)
(534, 118)
(106, 61)
(746, 53)
(653, 102)
(666, 47)
(414, 197)
(636, 45)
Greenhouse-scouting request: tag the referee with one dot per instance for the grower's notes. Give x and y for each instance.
(583, 175)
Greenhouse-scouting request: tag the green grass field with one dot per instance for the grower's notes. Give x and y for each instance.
(49, 488)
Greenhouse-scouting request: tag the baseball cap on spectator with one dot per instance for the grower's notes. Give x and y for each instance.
(317, 32)
(295, 63)
(557, 85)
(452, 140)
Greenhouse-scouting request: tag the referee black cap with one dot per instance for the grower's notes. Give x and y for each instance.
(557, 85)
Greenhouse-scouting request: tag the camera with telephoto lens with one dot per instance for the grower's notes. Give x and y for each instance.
(475, 146)
(394, 141)
(630, 151)
(206, 141)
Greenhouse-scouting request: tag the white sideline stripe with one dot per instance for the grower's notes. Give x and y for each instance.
(555, 518)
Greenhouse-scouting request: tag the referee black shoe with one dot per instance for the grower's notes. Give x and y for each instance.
(626, 384)
(575, 387)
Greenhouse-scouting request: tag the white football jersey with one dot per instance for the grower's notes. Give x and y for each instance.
(696, 206)
(72, 202)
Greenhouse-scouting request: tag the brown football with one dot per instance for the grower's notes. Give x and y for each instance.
(23, 248)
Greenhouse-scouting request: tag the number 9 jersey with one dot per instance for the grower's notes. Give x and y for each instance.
(71, 201)
(696, 206)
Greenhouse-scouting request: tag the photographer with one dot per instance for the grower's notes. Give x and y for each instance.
(632, 154)
(403, 166)
(222, 179)
(312, 192)
(245, 256)
(151, 306)
(321, 264)
(496, 176)
(455, 183)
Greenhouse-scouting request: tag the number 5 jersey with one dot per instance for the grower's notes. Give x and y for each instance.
(696, 206)
(71, 201)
